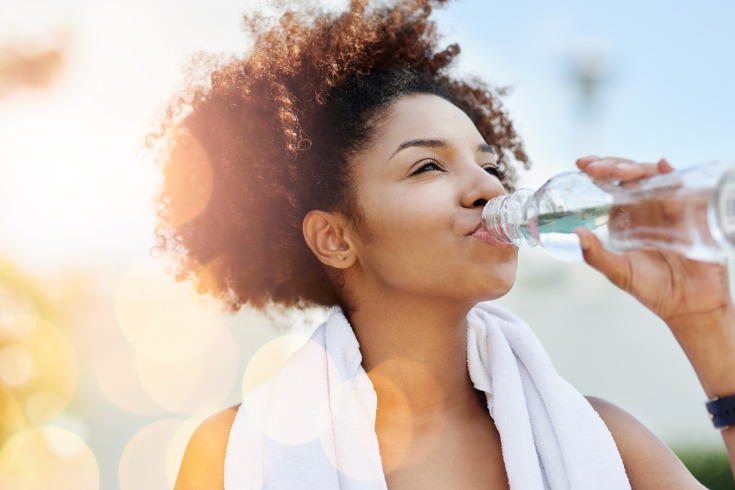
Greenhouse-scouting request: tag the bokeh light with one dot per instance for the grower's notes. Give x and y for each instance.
(48, 457)
(183, 330)
(287, 408)
(190, 382)
(153, 311)
(347, 407)
(143, 463)
(190, 157)
(267, 360)
(18, 315)
(177, 444)
(38, 363)
(113, 363)
(53, 381)
(16, 365)
(12, 416)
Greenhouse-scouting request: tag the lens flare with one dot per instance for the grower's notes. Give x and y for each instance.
(188, 158)
(115, 372)
(12, 417)
(284, 407)
(396, 397)
(194, 382)
(346, 408)
(143, 462)
(160, 316)
(16, 365)
(178, 442)
(180, 333)
(269, 359)
(48, 457)
(172, 341)
(208, 277)
(53, 379)
(142, 292)
(18, 316)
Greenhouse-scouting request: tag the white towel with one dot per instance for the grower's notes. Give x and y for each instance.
(312, 426)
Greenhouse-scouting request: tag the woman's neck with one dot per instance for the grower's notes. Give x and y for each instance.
(415, 353)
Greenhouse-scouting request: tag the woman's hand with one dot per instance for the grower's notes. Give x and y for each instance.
(673, 287)
(692, 297)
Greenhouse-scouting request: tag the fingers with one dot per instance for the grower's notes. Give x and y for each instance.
(584, 161)
(621, 169)
(614, 267)
(664, 166)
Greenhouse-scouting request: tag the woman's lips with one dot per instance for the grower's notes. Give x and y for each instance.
(485, 236)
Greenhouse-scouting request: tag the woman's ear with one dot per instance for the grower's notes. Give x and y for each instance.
(326, 235)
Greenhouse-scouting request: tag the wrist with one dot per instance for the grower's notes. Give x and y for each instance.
(704, 330)
(708, 340)
(722, 412)
(721, 317)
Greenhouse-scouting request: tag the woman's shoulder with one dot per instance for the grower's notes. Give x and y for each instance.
(648, 462)
(204, 459)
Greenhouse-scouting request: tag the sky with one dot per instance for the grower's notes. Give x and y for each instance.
(666, 89)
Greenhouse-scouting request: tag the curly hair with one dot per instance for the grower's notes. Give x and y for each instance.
(245, 159)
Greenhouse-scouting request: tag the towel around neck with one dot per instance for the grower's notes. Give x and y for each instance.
(313, 424)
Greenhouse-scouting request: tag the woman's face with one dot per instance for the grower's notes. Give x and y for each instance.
(421, 187)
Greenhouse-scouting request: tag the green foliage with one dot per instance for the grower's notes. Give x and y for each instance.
(710, 466)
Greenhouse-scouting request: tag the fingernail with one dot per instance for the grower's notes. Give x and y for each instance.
(583, 238)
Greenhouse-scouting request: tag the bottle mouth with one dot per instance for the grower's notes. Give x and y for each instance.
(505, 218)
(492, 219)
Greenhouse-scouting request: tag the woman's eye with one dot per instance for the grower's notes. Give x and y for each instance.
(495, 170)
(428, 166)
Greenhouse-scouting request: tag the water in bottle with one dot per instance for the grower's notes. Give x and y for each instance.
(691, 211)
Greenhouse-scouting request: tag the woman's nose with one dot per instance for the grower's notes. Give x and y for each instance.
(479, 187)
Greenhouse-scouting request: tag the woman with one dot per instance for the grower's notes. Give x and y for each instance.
(338, 164)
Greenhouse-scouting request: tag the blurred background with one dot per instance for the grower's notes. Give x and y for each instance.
(107, 365)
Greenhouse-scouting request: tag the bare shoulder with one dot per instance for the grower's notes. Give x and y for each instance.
(203, 465)
(648, 462)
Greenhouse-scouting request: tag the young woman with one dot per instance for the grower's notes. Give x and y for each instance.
(338, 164)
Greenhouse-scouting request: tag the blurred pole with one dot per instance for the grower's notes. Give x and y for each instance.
(589, 71)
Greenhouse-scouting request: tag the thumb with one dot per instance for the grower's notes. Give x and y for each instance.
(613, 266)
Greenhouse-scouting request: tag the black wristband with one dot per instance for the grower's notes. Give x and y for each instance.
(722, 411)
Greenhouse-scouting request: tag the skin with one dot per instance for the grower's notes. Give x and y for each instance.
(412, 268)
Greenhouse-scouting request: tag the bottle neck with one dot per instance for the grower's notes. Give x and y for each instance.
(504, 217)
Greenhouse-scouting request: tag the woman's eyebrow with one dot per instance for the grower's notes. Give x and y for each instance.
(485, 148)
(423, 143)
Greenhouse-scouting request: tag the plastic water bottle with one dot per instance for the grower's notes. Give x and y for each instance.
(691, 211)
